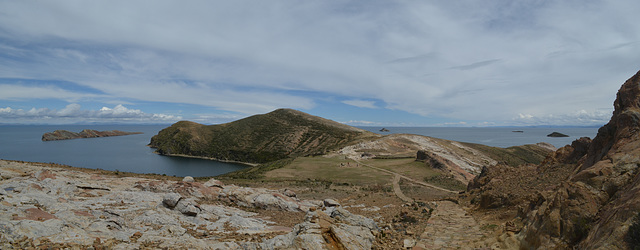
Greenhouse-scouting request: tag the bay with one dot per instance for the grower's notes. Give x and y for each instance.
(128, 153)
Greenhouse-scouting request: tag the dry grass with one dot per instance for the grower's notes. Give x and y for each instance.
(332, 169)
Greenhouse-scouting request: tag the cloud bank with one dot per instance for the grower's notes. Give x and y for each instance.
(73, 113)
(446, 61)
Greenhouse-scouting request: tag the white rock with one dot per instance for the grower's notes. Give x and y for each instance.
(409, 243)
(347, 217)
(171, 199)
(331, 203)
(214, 183)
(188, 179)
(289, 192)
(353, 237)
(187, 208)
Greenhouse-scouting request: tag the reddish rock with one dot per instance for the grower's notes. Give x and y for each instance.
(44, 174)
(35, 214)
(582, 196)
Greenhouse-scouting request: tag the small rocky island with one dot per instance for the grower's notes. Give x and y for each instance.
(87, 133)
(557, 134)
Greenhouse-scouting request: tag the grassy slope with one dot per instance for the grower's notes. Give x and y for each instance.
(257, 139)
(513, 156)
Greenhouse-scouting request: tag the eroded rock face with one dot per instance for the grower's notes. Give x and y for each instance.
(592, 204)
(582, 196)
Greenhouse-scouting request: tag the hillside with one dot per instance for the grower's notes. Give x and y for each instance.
(583, 196)
(263, 138)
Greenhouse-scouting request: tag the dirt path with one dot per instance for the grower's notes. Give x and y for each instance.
(397, 176)
(398, 191)
(451, 228)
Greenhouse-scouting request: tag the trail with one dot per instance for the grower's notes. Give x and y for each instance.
(398, 176)
(450, 227)
(397, 190)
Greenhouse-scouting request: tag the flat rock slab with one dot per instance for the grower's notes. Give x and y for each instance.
(450, 228)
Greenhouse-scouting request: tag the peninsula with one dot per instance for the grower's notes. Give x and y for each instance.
(87, 133)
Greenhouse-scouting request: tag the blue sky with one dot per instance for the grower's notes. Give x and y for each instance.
(376, 63)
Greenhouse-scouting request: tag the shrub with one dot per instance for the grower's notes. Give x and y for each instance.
(633, 235)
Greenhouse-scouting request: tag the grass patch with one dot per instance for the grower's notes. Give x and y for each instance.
(334, 169)
(257, 172)
(489, 227)
(513, 156)
(447, 182)
(633, 235)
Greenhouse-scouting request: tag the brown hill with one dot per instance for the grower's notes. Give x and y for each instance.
(257, 139)
(584, 195)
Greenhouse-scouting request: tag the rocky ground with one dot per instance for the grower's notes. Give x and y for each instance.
(44, 206)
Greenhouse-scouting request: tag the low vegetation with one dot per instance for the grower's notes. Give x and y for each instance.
(257, 139)
(633, 235)
(513, 156)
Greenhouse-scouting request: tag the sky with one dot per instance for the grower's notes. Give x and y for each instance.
(363, 63)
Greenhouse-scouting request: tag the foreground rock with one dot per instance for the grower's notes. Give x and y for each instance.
(52, 207)
(87, 133)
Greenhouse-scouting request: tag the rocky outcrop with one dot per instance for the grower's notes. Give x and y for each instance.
(87, 133)
(441, 163)
(557, 134)
(582, 196)
(333, 228)
(594, 207)
(257, 139)
(45, 208)
(460, 161)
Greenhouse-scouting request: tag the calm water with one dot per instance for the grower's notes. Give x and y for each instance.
(498, 137)
(124, 153)
(131, 154)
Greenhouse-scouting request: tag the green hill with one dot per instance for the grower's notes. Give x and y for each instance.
(263, 138)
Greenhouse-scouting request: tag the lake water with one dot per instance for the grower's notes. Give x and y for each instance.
(131, 154)
(123, 153)
(498, 136)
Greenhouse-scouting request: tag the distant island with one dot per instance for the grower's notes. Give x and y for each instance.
(87, 133)
(384, 130)
(557, 134)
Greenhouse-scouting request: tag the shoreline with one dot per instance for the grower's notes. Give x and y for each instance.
(98, 170)
(208, 158)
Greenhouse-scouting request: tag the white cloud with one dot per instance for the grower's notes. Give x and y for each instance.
(580, 117)
(362, 123)
(361, 103)
(21, 92)
(73, 113)
(459, 60)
